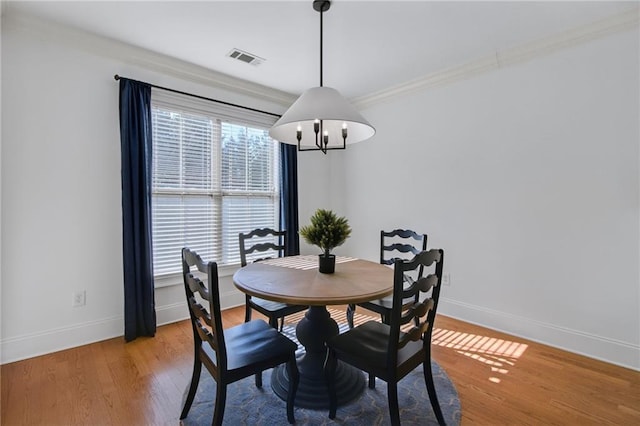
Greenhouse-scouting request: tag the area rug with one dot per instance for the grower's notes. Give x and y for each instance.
(249, 405)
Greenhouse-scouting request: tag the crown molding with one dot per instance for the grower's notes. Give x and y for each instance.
(625, 21)
(177, 68)
(132, 55)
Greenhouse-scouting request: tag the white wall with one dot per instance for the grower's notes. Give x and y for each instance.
(527, 177)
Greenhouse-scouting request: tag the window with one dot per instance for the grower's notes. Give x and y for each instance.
(215, 174)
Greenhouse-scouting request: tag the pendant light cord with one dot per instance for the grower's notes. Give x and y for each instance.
(321, 13)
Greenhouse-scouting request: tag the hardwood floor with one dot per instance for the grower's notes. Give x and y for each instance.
(500, 379)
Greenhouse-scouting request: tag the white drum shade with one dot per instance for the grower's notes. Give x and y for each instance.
(326, 104)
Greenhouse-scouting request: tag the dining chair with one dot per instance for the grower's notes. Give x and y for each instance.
(391, 351)
(267, 243)
(396, 244)
(233, 353)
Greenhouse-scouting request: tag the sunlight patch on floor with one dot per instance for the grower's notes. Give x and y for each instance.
(498, 354)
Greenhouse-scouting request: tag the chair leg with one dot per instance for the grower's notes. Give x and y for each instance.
(329, 373)
(431, 390)
(259, 379)
(221, 399)
(193, 387)
(273, 322)
(392, 394)
(294, 379)
(351, 310)
(247, 309)
(372, 381)
(281, 324)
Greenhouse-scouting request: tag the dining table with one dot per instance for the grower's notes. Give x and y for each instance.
(296, 280)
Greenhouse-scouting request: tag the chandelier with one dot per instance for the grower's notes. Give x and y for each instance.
(321, 119)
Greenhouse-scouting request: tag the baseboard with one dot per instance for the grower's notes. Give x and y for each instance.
(598, 347)
(602, 348)
(58, 339)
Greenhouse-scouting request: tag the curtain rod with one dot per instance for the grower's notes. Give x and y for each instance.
(117, 77)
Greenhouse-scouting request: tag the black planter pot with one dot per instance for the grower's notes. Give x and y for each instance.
(327, 264)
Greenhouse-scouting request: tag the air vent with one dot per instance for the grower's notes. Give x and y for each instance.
(247, 57)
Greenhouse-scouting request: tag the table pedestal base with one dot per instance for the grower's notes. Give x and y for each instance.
(312, 332)
(311, 393)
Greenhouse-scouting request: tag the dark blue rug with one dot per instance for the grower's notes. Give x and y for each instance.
(248, 405)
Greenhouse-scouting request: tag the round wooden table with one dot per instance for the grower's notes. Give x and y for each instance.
(296, 280)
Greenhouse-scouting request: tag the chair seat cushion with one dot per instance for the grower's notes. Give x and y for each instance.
(385, 303)
(268, 307)
(251, 343)
(367, 346)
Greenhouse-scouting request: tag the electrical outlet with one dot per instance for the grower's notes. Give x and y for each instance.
(79, 298)
(446, 279)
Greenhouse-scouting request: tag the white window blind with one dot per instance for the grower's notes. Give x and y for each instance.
(215, 173)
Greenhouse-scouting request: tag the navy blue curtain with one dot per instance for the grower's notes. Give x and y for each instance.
(289, 197)
(135, 141)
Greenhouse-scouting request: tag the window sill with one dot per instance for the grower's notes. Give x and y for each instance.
(170, 280)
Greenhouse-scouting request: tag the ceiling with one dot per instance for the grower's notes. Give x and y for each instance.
(368, 45)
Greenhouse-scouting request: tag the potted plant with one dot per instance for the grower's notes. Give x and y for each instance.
(326, 231)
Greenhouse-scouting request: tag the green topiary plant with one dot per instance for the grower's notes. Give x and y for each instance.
(326, 231)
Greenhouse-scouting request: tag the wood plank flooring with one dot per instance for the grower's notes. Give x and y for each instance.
(501, 380)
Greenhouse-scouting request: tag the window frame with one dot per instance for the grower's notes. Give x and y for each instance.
(227, 114)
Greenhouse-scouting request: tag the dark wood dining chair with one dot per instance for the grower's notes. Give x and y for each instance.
(391, 351)
(234, 353)
(396, 244)
(269, 243)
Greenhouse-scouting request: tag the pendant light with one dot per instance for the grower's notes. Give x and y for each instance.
(321, 119)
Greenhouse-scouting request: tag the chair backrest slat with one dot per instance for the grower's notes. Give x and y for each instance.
(398, 243)
(262, 247)
(401, 244)
(197, 286)
(206, 324)
(259, 241)
(423, 284)
(425, 293)
(417, 332)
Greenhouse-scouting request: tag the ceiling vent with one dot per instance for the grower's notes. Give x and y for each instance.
(247, 57)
